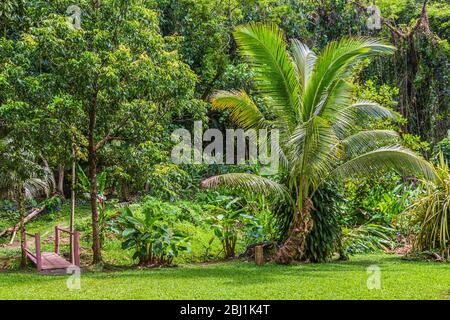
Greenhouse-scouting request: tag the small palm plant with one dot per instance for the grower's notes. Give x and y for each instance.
(311, 104)
(22, 178)
(431, 212)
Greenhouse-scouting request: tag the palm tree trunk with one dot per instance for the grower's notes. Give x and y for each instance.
(294, 247)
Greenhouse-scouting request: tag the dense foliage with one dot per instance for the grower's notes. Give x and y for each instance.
(431, 212)
(89, 99)
(153, 240)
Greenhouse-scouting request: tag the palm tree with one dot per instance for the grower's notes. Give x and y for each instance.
(311, 103)
(22, 178)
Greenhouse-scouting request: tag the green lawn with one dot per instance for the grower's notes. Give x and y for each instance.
(400, 279)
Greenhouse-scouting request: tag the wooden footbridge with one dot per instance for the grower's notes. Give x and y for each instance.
(53, 262)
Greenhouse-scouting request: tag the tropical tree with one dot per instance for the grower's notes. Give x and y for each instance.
(113, 83)
(311, 104)
(21, 178)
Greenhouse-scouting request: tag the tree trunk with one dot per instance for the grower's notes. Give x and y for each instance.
(72, 203)
(294, 247)
(61, 180)
(92, 159)
(259, 255)
(96, 246)
(23, 259)
(124, 190)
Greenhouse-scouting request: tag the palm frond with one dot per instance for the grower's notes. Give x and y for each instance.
(334, 63)
(346, 118)
(367, 238)
(365, 141)
(244, 112)
(304, 60)
(21, 174)
(339, 96)
(312, 148)
(35, 186)
(264, 47)
(248, 182)
(372, 110)
(397, 158)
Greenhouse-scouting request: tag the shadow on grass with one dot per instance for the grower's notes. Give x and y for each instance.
(239, 273)
(232, 272)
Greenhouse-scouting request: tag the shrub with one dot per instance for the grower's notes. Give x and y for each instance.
(52, 204)
(167, 180)
(176, 211)
(432, 212)
(367, 238)
(9, 214)
(444, 147)
(378, 200)
(153, 240)
(228, 220)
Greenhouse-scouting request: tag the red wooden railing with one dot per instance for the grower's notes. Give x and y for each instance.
(36, 256)
(75, 257)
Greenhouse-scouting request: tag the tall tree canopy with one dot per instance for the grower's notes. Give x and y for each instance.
(114, 79)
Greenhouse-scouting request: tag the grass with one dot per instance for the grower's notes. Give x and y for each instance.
(400, 279)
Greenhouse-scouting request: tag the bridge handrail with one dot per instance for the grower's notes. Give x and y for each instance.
(75, 239)
(38, 255)
(65, 230)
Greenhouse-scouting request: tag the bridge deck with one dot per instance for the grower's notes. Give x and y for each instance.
(51, 261)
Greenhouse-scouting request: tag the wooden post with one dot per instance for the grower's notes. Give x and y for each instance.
(37, 239)
(56, 240)
(76, 248)
(259, 255)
